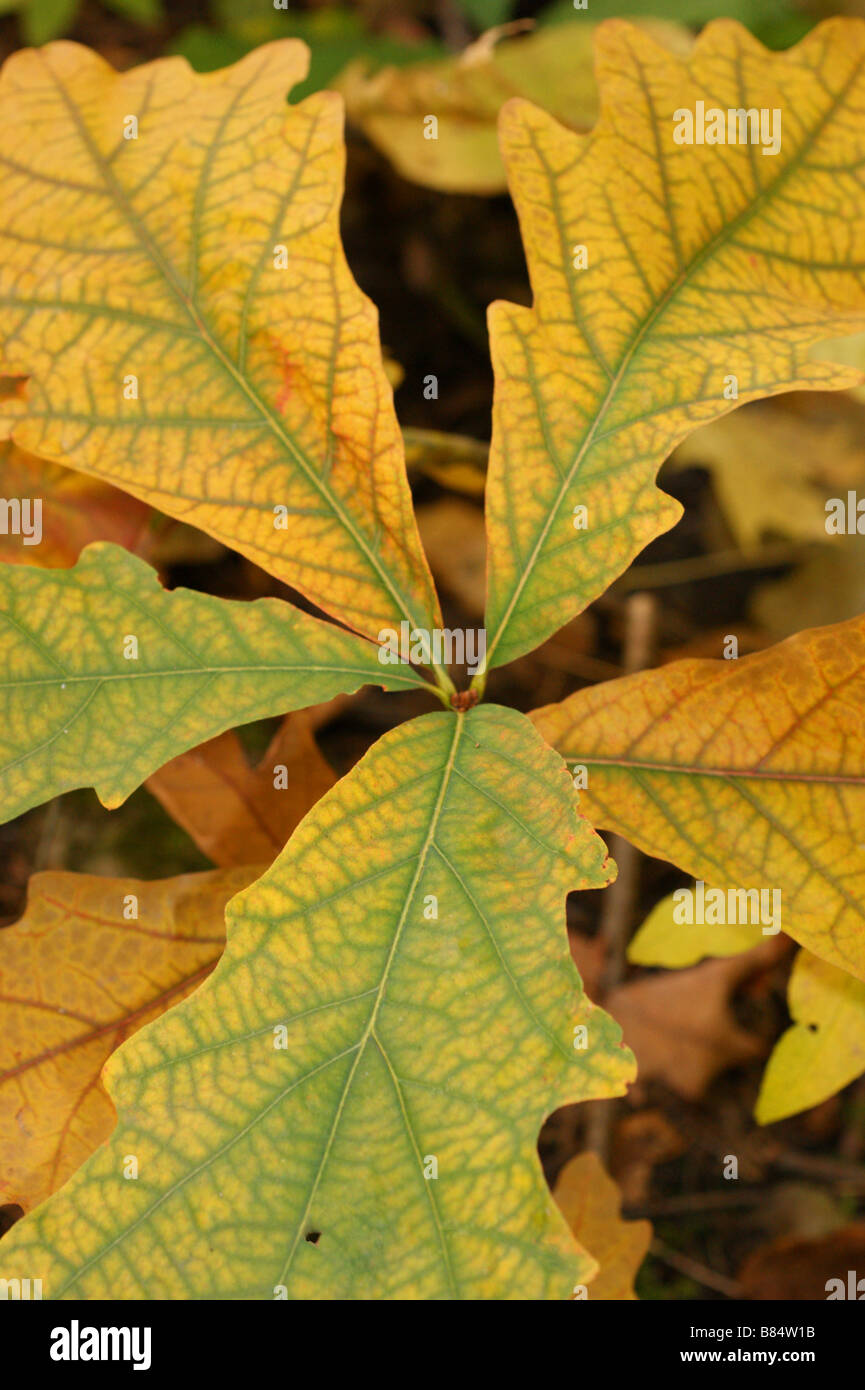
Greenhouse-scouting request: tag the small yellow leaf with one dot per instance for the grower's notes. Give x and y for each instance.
(670, 282)
(452, 460)
(662, 940)
(90, 962)
(747, 774)
(591, 1204)
(824, 1050)
(174, 286)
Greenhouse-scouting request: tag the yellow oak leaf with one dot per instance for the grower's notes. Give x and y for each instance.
(591, 1204)
(670, 281)
(350, 1105)
(173, 285)
(747, 774)
(90, 962)
(824, 1050)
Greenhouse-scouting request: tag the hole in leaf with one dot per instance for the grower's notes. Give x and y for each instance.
(313, 1237)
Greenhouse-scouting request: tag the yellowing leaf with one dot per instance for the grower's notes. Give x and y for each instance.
(466, 93)
(105, 676)
(703, 263)
(662, 940)
(78, 974)
(824, 1050)
(239, 814)
(370, 1064)
(591, 1204)
(178, 295)
(747, 774)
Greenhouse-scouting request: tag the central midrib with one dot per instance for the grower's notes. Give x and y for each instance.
(642, 332)
(170, 278)
(369, 1031)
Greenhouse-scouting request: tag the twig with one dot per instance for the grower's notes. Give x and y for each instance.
(619, 901)
(694, 1270)
(690, 1202)
(816, 1167)
(709, 566)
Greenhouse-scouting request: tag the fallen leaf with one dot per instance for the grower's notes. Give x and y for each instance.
(792, 1270)
(591, 1204)
(454, 539)
(454, 461)
(774, 464)
(74, 510)
(661, 940)
(681, 1027)
(78, 975)
(827, 587)
(238, 814)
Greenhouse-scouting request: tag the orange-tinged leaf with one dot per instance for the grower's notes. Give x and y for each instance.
(703, 263)
(152, 265)
(106, 676)
(78, 975)
(73, 511)
(238, 814)
(591, 1204)
(350, 1105)
(747, 774)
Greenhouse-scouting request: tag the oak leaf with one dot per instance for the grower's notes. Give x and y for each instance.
(79, 974)
(176, 292)
(106, 676)
(591, 1204)
(369, 1065)
(746, 774)
(670, 281)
